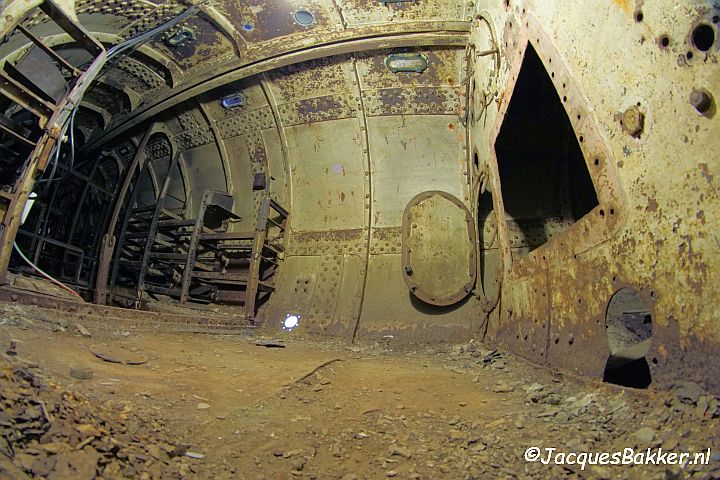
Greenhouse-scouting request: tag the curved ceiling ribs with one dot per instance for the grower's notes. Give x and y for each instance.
(260, 60)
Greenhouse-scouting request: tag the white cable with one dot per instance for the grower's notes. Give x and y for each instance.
(56, 282)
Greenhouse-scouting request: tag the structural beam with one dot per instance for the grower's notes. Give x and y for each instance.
(455, 34)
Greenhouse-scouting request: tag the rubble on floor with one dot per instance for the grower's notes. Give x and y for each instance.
(47, 432)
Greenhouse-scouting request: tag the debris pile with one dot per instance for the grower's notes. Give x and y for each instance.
(51, 433)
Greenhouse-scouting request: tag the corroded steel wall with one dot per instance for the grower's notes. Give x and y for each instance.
(345, 143)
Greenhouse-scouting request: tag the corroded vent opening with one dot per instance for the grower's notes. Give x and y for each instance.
(628, 324)
(545, 182)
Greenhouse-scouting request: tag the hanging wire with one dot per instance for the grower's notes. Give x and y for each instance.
(126, 47)
(138, 40)
(41, 272)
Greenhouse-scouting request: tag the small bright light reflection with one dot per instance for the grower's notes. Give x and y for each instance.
(290, 322)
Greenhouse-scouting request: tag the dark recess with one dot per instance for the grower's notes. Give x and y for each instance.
(543, 173)
(703, 37)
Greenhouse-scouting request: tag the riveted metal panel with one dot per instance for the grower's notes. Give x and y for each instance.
(337, 242)
(410, 155)
(328, 173)
(209, 47)
(276, 167)
(525, 317)
(258, 20)
(390, 309)
(241, 173)
(298, 278)
(357, 12)
(349, 299)
(438, 251)
(204, 170)
(442, 69)
(326, 293)
(386, 240)
(328, 76)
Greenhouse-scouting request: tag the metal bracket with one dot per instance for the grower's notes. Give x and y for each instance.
(180, 37)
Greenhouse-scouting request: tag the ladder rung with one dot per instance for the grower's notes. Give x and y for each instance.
(16, 131)
(16, 92)
(75, 30)
(176, 223)
(28, 84)
(52, 53)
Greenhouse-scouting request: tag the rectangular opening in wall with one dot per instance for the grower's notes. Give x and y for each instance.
(545, 182)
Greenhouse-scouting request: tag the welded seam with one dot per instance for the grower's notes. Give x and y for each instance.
(265, 84)
(222, 150)
(270, 63)
(366, 152)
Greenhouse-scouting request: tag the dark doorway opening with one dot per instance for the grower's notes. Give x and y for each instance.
(546, 185)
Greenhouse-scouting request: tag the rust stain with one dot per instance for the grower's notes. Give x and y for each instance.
(652, 205)
(706, 173)
(624, 5)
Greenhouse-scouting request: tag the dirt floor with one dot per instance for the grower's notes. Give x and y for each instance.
(222, 407)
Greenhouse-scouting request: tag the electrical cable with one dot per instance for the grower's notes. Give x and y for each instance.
(138, 40)
(126, 46)
(53, 280)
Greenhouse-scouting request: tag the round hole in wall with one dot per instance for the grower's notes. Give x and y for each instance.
(602, 212)
(597, 162)
(304, 18)
(664, 41)
(702, 100)
(689, 55)
(581, 138)
(629, 329)
(703, 37)
(639, 16)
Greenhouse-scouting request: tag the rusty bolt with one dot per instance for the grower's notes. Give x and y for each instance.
(633, 121)
(701, 100)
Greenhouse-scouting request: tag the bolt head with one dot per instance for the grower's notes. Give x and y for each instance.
(633, 121)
